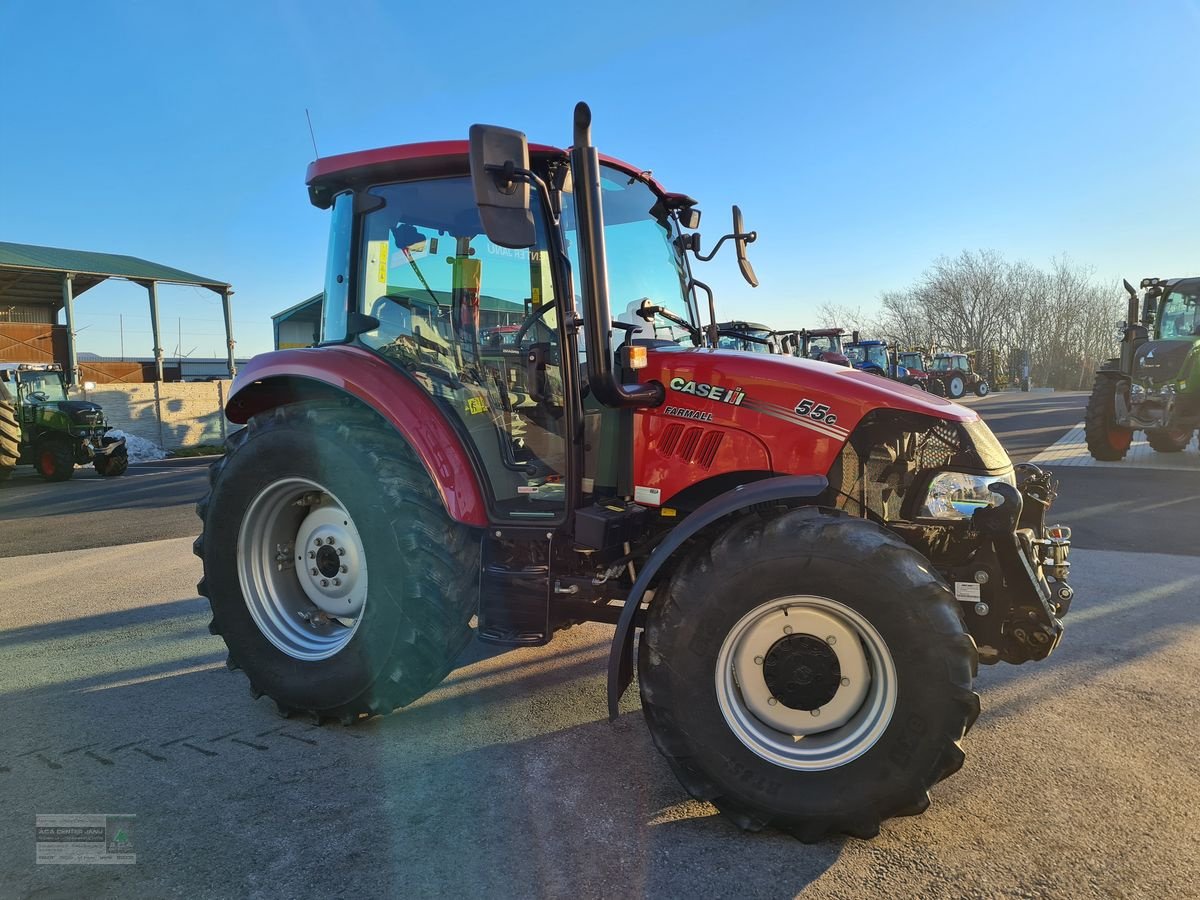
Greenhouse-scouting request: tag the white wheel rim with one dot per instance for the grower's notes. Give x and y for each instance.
(956, 385)
(302, 568)
(845, 726)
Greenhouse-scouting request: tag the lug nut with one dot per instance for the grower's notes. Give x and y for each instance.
(341, 551)
(324, 582)
(981, 609)
(845, 682)
(329, 540)
(772, 701)
(344, 570)
(831, 640)
(314, 571)
(815, 712)
(312, 554)
(787, 629)
(317, 542)
(758, 660)
(981, 577)
(337, 582)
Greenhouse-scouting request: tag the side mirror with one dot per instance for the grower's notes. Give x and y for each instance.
(740, 240)
(689, 218)
(499, 174)
(1148, 310)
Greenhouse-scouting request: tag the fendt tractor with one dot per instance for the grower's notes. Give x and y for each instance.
(1154, 385)
(816, 558)
(39, 425)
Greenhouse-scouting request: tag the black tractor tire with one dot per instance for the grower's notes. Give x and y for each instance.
(982, 389)
(116, 463)
(423, 567)
(955, 386)
(10, 435)
(54, 459)
(827, 554)
(937, 387)
(1169, 440)
(1106, 440)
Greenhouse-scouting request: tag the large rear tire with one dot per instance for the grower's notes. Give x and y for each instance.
(1169, 440)
(338, 582)
(1106, 440)
(10, 435)
(727, 681)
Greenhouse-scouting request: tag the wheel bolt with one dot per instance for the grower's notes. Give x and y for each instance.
(341, 551)
(772, 701)
(312, 554)
(314, 571)
(831, 640)
(329, 540)
(758, 660)
(324, 582)
(787, 629)
(337, 582)
(318, 542)
(815, 712)
(845, 682)
(344, 570)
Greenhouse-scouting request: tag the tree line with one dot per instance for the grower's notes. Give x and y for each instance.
(1061, 318)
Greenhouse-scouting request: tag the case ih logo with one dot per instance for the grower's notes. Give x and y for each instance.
(715, 392)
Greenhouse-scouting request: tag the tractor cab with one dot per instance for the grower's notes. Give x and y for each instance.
(749, 337)
(824, 344)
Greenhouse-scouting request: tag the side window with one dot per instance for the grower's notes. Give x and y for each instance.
(476, 325)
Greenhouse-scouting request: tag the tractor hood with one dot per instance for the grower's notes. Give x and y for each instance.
(1160, 361)
(719, 381)
(79, 412)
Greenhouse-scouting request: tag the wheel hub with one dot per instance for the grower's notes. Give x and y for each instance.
(802, 672)
(331, 562)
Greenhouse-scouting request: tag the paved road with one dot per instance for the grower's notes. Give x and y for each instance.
(1080, 781)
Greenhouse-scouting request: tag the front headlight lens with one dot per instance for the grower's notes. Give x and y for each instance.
(956, 495)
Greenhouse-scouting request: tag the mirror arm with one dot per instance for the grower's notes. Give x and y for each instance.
(749, 237)
(712, 311)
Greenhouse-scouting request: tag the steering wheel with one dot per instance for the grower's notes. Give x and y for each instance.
(41, 396)
(537, 354)
(532, 319)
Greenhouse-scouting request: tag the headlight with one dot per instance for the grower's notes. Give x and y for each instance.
(956, 495)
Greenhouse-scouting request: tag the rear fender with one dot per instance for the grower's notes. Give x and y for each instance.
(803, 489)
(290, 376)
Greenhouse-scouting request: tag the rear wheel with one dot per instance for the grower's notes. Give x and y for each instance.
(1169, 440)
(1106, 440)
(116, 463)
(955, 387)
(10, 435)
(784, 686)
(54, 459)
(337, 580)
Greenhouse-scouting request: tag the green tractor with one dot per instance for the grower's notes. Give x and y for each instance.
(39, 425)
(1154, 385)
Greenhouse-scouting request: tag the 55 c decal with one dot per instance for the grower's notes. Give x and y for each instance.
(816, 411)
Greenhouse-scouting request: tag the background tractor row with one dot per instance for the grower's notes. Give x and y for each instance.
(39, 425)
(816, 559)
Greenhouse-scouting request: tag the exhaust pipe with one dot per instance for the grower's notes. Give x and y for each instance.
(593, 270)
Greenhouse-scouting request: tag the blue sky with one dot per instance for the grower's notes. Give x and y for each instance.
(861, 140)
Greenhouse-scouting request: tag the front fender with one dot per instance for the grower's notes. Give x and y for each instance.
(290, 376)
(769, 490)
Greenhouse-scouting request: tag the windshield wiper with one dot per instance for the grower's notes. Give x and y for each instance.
(648, 311)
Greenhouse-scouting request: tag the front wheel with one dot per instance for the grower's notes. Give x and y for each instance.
(784, 686)
(1106, 440)
(116, 463)
(54, 459)
(1169, 440)
(982, 389)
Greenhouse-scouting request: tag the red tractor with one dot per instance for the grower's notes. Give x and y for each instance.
(816, 558)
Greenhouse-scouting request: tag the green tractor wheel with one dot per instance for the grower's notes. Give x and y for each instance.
(1169, 440)
(1106, 440)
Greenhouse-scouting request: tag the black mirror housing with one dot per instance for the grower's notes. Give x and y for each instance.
(689, 218)
(499, 166)
(740, 240)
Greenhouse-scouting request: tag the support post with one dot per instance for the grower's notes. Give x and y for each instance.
(68, 297)
(152, 288)
(228, 310)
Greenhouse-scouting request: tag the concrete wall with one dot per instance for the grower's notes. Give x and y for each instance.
(180, 414)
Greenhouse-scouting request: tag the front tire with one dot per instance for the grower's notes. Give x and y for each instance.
(707, 698)
(374, 609)
(1106, 440)
(982, 389)
(116, 463)
(54, 459)
(1169, 440)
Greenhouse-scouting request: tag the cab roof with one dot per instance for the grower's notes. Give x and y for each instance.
(329, 175)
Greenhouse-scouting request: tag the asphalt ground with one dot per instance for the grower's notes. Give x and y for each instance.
(1081, 778)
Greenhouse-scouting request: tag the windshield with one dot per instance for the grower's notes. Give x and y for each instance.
(824, 343)
(48, 383)
(643, 261)
(946, 363)
(1178, 318)
(877, 354)
(912, 361)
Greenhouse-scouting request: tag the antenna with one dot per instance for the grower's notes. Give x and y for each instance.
(316, 153)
